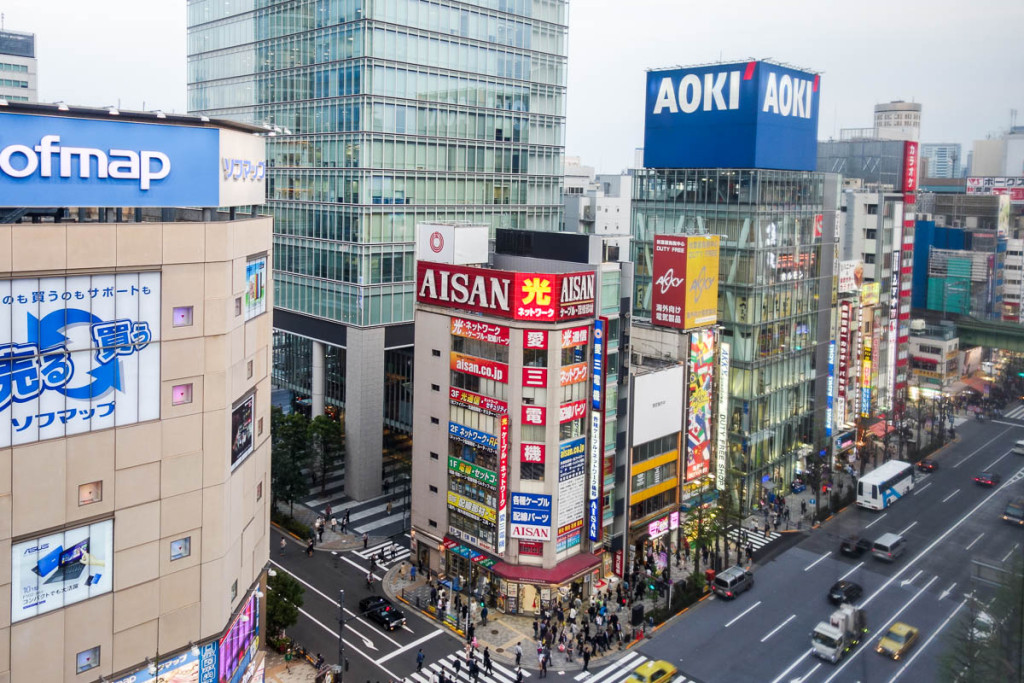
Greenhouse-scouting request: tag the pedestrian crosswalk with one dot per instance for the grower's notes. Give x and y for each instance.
(1016, 413)
(619, 670)
(381, 516)
(390, 551)
(500, 673)
(742, 537)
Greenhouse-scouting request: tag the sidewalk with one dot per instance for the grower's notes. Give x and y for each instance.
(295, 671)
(333, 540)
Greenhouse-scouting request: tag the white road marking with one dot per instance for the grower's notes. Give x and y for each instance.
(946, 499)
(912, 525)
(806, 675)
(922, 488)
(776, 629)
(877, 520)
(1007, 555)
(818, 560)
(792, 666)
(366, 641)
(912, 579)
(743, 613)
(926, 643)
(415, 643)
(976, 539)
(982, 447)
(994, 462)
(851, 571)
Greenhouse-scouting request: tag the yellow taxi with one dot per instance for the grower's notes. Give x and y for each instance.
(654, 671)
(897, 640)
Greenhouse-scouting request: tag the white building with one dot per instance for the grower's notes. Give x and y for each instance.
(18, 79)
(934, 358)
(1000, 157)
(597, 204)
(898, 120)
(1013, 279)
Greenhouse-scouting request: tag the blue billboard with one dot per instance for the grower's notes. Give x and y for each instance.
(743, 115)
(64, 161)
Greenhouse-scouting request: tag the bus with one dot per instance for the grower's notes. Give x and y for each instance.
(877, 489)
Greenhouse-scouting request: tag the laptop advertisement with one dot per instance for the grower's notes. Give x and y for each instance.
(60, 569)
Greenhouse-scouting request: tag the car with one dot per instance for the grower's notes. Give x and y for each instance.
(983, 626)
(844, 591)
(655, 671)
(927, 465)
(854, 546)
(381, 610)
(989, 479)
(897, 640)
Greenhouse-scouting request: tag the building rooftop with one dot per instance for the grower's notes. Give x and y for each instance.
(109, 113)
(734, 61)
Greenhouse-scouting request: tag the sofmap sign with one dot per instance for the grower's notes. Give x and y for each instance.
(63, 161)
(744, 115)
(78, 354)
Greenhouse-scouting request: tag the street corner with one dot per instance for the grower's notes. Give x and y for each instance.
(280, 670)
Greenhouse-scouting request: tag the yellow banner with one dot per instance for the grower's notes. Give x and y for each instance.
(701, 307)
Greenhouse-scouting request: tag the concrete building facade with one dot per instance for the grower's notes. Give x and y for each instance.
(18, 67)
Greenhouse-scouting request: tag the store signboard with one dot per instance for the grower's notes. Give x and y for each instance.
(79, 353)
(534, 415)
(535, 377)
(531, 516)
(474, 472)
(572, 374)
(658, 527)
(532, 453)
(575, 336)
(473, 437)
(480, 331)
(722, 437)
(572, 411)
(911, 167)
(186, 667)
(484, 404)
(699, 395)
(240, 645)
(502, 482)
(535, 339)
(851, 276)
(830, 387)
(684, 288)
(1011, 187)
(471, 507)
(658, 404)
(241, 430)
(479, 367)
(60, 569)
(571, 484)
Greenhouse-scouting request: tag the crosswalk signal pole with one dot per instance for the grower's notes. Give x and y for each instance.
(341, 635)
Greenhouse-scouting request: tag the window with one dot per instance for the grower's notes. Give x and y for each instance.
(248, 370)
(435, 387)
(181, 548)
(433, 489)
(90, 493)
(535, 358)
(181, 394)
(869, 258)
(87, 659)
(238, 306)
(234, 590)
(434, 456)
(531, 471)
(432, 523)
(435, 353)
(181, 316)
(434, 421)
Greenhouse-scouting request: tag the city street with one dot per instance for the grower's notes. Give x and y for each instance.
(948, 519)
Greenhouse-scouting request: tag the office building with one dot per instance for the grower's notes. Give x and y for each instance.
(934, 359)
(941, 160)
(999, 157)
(898, 120)
(135, 439)
(18, 67)
(387, 114)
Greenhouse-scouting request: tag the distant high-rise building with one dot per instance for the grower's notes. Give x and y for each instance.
(18, 80)
(1000, 157)
(898, 120)
(385, 115)
(943, 159)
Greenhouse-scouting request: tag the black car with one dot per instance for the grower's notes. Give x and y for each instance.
(989, 479)
(844, 591)
(927, 465)
(381, 610)
(854, 546)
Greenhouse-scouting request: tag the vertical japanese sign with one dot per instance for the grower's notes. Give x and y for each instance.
(78, 354)
(698, 427)
(597, 431)
(721, 461)
(502, 484)
(255, 287)
(845, 353)
(830, 383)
(910, 166)
(572, 476)
(684, 287)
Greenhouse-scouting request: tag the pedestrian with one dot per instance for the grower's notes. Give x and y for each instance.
(419, 659)
(767, 529)
(536, 627)
(309, 548)
(283, 545)
(412, 572)
(369, 581)
(366, 537)
(750, 552)
(334, 525)
(540, 663)
(327, 511)
(344, 524)
(458, 667)
(389, 507)
(470, 633)
(386, 485)
(320, 532)
(778, 521)
(483, 615)
(586, 657)
(519, 653)
(803, 508)
(519, 674)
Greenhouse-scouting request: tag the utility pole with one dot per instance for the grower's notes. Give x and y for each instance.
(341, 635)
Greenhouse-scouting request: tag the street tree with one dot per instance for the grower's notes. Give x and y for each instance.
(284, 598)
(288, 456)
(324, 447)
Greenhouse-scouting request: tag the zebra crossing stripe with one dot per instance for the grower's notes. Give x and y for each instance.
(614, 672)
(1016, 413)
(499, 674)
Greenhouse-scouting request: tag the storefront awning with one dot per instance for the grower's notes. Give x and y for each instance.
(565, 571)
(880, 429)
(978, 385)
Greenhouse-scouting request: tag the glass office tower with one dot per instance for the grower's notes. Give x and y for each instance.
(384, 114)
(774, 303)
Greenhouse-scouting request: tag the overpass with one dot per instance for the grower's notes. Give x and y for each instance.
(992, 333)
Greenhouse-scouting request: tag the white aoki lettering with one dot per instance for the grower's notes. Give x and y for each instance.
(120, 164)
(788, 96)
(693, 93)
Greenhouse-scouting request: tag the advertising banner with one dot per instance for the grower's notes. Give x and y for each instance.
(1010, 187)
(474, 472)
(483, 404)
(701, 307)
(572, 411)
(534, 415)
(531, 548)
(572, 374)
(531, 516)
(183, 668)
(910, 167)
(78, 354)
(597, 383)
(845, 354)
(480, 331)
(532, 453)
(519, 296)
(870, 294)
(471, 436)
(851, 276)
(569, 540)
(829, 388)
(698, 430)
(658, 404)
(57, 570)
(256, 287)
(240, 644)
(721, 461)
(502, 482)
(596, 487)
(535, 377)
(480, 367)
(575, 336)
(241, 431)
(471, 507)
(743, 115)
(447, 243)
(658, 527)
(571, 484)
(684, 289)
(535, 339)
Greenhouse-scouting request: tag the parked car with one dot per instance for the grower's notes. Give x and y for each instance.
(989, 479)
(854, 546)
(844, 591)
(898, 640)
(927, 465)
(381, 610)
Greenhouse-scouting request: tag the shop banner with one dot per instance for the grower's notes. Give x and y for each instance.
(532, 453)
(473, 437)
(531, 516)
(502, 482)
(471, 507)
(572, 374)
(572, 411)
(240, 644)
(535, 339)
(484, 404)
(722, 447)
(531, 548)
(241, 431)
(617, 563)
(534, 415)
(184, 668)
(575, 336)
(569, 540)
(596, 488)
(480, 331)
(658, 527)
(480, 367)
(698, 430)
(535, 377)
(571, 483)
(474, 472)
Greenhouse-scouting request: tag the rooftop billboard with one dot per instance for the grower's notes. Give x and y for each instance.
(743, 115)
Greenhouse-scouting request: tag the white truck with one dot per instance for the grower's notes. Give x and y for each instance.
(834, 638)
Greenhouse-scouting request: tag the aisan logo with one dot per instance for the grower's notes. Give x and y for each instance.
(668, 280)
(436, 242)
(701, 284)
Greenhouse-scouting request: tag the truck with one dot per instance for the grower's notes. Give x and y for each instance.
(1014, 513)
(833, 639)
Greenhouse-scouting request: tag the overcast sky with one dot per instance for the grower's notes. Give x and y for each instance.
(963, 60)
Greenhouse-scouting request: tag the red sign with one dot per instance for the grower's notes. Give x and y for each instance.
(617, 562)
(535, 339)
(480, 367)
(845, 345)
(531, 548)
(571, 374)
(485, 404)
(505, 294)
(531, 452)
(572, 411)
(910, 166)
(668, 281)
(818, 224)
(575, 336)
(502, 481)
(535, 377)
(534, 415)
(480, 330)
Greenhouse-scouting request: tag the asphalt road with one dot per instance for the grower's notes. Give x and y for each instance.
(764, 635)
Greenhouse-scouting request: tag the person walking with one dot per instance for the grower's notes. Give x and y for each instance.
(334, 525)
(366, 537)
(519, 653)
(283, 545)
(389, 508)
(309, 548)
(419, 659)
(519, 675)
(487, 660)
(586, 657)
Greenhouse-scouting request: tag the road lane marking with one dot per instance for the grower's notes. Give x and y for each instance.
(792, 666)
(982, 447)
(976, 539)
(945, 593)
(356, 649)
(415, 643)
(366, 641)
(994, 462)
(925, 643)
(852, 570)
(877, 520)
(818, 560)
(912, 579)
(912, 525)
(946, 499)
(922, 488)
(776, 629)
(806, 675)
(1007, 555)
(359, 567)
(737, 617)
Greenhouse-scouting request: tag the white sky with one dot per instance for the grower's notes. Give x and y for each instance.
(963, 60)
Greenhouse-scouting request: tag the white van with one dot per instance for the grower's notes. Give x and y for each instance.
(1018, 447)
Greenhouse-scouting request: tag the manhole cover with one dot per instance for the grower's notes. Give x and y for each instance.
(499, 649)
(494, 632)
